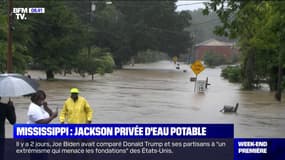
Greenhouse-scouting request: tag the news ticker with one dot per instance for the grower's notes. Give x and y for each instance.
(146, 141)
(123, 131)
(121, 141)
(151, 148)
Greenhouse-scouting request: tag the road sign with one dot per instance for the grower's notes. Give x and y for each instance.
(201, 85)
(197, 67)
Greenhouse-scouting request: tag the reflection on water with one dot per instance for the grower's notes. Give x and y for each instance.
(158, 93)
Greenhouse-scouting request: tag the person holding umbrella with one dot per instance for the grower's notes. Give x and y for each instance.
(12, 85)
(39, 112)
(7, 111)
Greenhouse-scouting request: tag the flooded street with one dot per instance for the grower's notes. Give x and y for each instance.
(158, 93)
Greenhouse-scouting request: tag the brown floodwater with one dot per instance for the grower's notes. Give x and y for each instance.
(159, 93)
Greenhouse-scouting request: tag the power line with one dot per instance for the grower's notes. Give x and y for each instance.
(189, 4)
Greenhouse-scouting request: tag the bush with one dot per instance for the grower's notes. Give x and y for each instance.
(108, 63)
(98, 61)
(149, 56)
(232, 73)
(213, 59)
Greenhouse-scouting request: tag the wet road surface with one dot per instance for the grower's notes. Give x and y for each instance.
(159, 93)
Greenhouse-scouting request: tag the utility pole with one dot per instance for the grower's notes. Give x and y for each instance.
(10, 37)
(278, 94)
(193, 57)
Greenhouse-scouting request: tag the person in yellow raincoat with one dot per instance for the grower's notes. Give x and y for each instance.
(76, 109)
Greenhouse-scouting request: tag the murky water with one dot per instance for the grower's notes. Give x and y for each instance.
(158, 93)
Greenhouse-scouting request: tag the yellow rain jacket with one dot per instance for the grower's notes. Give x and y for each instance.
(76, 112)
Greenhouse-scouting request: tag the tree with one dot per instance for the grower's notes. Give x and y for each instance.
(20, 38)
(236, 23)
(57, 38)
(154, 25)
(99, 61)
(128, 27)
(3, 42)
(258, 25)
(150, 56)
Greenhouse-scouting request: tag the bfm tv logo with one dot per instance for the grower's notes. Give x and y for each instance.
(21, 12)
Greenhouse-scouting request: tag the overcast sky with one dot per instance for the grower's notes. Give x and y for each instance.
(189, 5)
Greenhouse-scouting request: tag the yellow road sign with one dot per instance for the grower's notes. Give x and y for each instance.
(174, 59)
(197, 67)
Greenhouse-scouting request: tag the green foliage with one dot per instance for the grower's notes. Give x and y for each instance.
(57, 37)
(3, 44)
(20, 56)
(128, 27)
(3, 37)
(53, 41)
(98, 61)
(232, 73)
(108, 63)
(150, 56)
(259, 27)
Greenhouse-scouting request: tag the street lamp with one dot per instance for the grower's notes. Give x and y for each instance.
(92, 9)
(93, 6)
(109, 2)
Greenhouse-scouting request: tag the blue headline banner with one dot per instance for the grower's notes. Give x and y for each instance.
(123, 131)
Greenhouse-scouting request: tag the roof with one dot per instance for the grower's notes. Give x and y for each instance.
(214, 42)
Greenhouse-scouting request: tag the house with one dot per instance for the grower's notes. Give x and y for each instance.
(213, 46)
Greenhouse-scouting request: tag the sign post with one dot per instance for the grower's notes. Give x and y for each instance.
(197, 67)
